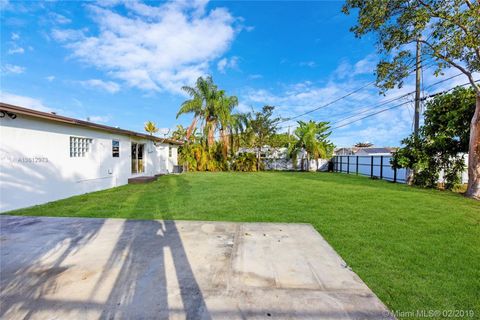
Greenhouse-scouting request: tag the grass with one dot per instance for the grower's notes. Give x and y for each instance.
(416, 249)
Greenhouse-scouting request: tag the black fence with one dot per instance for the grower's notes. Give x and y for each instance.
(378, 167)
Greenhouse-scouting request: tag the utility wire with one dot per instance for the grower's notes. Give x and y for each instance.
(329, 103)
(399, 105)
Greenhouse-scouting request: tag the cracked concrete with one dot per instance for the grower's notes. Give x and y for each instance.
(73, 268)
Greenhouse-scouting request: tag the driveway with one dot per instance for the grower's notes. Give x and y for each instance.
(74, 268)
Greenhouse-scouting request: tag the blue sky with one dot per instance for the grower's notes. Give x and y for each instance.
(123, 63)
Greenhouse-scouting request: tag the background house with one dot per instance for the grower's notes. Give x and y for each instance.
(46, 157)
(365, 151)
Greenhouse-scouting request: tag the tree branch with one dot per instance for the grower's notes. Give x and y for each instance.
(454, 64)
(436, 14)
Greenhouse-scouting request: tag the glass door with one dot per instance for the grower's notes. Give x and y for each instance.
(137, 158)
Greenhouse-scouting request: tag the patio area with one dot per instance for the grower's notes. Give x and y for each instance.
(80, 268)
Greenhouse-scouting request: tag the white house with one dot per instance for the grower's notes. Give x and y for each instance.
(46, 157)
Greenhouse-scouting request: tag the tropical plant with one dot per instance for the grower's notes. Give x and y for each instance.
(223, 111)
(180, 133)
(442, 142)
(238, 126)
(312, 142)
(203, 97)
(246, 162)
(150, 127)
(448, 32)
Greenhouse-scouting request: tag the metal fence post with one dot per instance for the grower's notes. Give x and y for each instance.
(341, 163)
(348, 164)
(381, 167)
(356, 165)
(371, 167)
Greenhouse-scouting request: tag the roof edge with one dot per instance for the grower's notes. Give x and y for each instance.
(58, 118)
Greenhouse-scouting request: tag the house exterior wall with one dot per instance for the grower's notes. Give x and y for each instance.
(36, 167)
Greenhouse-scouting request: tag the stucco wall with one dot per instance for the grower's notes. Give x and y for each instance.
(36, 167)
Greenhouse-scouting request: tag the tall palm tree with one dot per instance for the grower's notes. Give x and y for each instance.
(150, 127)
(312, 141)
(223, 112)
(203, 96)
(238, 126)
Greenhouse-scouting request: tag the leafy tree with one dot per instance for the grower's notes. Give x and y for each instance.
(442, 141)
(261, 127)
(312, 139)
(150, 127)
(363, 144)
(282, 140)
(449, 33)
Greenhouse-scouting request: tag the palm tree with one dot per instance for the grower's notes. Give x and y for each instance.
(238, 126)
(150, 127)
(312, 141)
(204, 96)
(223, 113)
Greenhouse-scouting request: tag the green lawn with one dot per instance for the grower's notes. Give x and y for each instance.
(416, 249)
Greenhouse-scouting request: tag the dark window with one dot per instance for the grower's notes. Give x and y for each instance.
(169, 151)
(115, 148)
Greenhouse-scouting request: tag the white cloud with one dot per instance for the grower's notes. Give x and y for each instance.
(23, 101)
(255, 76)
(101, 119)
(68, 34)
(153, 47)
(310, 64)
(108, 86)
(225, 63)
(16, 50)
(365, 66)
(60, 19)
(15, 36)
(11, 68)
(50, 78)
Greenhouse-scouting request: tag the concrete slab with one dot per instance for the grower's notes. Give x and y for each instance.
(69, 268)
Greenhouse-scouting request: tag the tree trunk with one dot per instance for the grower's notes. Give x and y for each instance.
(473, 189)
(258, 159)
(211, 134)
(191, 127)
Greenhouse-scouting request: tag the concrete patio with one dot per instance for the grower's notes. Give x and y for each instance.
(73, 268)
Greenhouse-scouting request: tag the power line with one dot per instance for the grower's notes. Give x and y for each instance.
(329, 103)
(370, 115)
(345, 96)
(376, 106)
(382, 103)
(399, 105)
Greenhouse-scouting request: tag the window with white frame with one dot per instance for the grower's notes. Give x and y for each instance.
(79, 146)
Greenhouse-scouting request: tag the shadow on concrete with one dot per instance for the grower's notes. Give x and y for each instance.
(25, 245)
(141, 286)
(140, 289)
